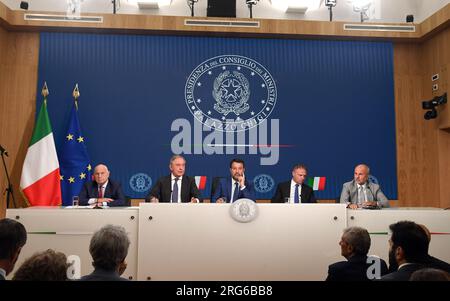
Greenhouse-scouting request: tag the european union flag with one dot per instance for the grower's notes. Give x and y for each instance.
(74, 160)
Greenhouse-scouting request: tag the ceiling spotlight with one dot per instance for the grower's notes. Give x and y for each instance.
(250, 4)
(330, 4)
(362, 7)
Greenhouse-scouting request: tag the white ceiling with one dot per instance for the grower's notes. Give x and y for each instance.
(385, 10)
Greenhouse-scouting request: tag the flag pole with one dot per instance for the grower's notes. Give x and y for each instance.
(45, 92)
(76, 94)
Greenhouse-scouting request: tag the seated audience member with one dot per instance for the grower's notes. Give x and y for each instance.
(234, 187)
(408, 250)
(176, 187)
(429, 274)
(108, 248)
(434, 262)
(13, 237)
(43, 266)
(355, 244)
(361, 192)
(295, 190)
(102, 189)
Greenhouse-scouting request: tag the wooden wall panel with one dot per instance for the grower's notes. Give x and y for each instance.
(444, 167)
(3, 50)
(416, 139)
(423, 147)
(18, 78)
(436, 59)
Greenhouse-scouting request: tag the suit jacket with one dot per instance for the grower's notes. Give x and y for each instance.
(103, 275)
(354, 269)
(350, 194)
(113, 191)
(284, 191)
(2, 278)
(402, 274)
(163, 189)
(435, 263)
(224, 190)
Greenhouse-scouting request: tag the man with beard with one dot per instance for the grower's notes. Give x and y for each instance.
(408, 250)
(434, 262)
(235, 187)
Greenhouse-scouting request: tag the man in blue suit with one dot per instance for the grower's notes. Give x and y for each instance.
(236, 187)
(102, 189)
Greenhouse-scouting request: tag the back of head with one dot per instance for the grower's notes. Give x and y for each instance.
(412, 239)
(109, 247)
(429, 275)
(359, 239)
(43, 266)
(13, 236)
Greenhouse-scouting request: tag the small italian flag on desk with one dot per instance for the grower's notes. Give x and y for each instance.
(201, 182)
(317, 183)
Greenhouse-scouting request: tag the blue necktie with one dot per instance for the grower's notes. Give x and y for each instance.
(236, 192)
(175, 191)
(296, 198)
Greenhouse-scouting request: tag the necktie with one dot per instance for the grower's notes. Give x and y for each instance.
(361, 195)
(236, 192)
(296, 196)
(175, 191)
(100, 192)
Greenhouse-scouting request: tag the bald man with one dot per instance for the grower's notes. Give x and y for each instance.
(102, 189)
(361, 193)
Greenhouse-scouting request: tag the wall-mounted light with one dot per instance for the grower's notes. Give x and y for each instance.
(330, 4)
(296, 6)
(73, 9)
(362, 7)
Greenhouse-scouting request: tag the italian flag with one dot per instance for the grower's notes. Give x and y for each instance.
(40, 181)
(200, 181)
(317, 183)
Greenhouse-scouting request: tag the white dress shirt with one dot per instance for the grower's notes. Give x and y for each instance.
(362, 189)
(233, 187)
(292, 193)
(3, 273)
(103, 188)
(403, 265)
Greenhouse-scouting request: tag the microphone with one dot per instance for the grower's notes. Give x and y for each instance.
(373, 197)
(370, 190)
(3, 150)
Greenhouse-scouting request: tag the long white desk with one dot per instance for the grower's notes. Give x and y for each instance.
(70, 231)
(203, 242)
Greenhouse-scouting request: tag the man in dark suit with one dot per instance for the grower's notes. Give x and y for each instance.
(108, 248)
(408, 250)
(235, 187)
(295, 190)
(102, 189)
(13, 237)
(433, 262)
(176, 187)
(355, 244)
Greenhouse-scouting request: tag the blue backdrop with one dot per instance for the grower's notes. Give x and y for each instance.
(329, 103)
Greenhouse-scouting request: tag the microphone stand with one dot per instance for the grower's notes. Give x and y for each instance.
(9, 189)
